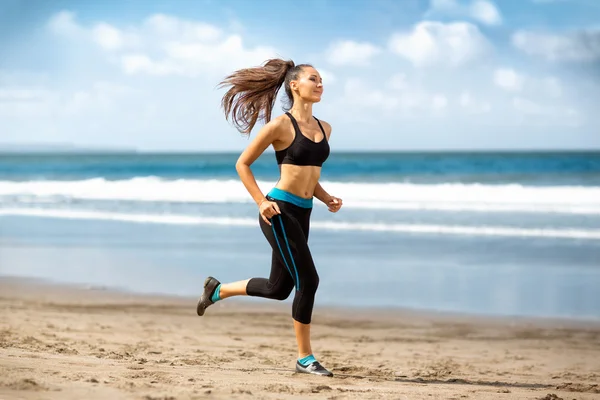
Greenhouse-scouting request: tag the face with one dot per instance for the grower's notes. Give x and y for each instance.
(309, 85)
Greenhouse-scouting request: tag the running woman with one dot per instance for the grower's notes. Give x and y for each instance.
(301, 144)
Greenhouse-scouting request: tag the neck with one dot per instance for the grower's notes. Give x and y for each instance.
(302, 111)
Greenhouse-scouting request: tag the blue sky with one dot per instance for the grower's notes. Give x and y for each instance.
(399, 74)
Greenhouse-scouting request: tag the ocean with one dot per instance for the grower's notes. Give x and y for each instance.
(506, 233)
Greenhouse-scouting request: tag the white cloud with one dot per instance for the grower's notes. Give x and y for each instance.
(111, 38)
(107, 36)
(169, 27)
(63, 23)
(403, 100)
(552, 87)
(398, 81)
(580, 46)
(359, 93)
(508, 79)
(348, 52)
(486, 12)
(436, 43)
(538, 86)
(141, 113)
(540, 112)
(482, 11)
(164, 45)
(196, 58)
(327, 76)
(472, 106)
(22, 100)
(439, 102)
(18, 94)
(28, 101)
(528, 106)
(134, 63)
(526, 101)
(11, 77)
(465, 99)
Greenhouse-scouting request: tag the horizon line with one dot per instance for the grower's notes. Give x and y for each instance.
(103, 151)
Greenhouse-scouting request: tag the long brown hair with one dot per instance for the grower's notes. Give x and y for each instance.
(254, 90)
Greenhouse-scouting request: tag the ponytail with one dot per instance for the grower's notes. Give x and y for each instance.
(254, 90)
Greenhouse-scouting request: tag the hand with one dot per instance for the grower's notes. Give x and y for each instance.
(268, 209)
(334, 204)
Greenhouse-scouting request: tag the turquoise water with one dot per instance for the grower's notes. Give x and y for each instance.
(582, 168)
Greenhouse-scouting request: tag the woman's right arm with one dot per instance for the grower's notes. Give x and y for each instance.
(265, 137)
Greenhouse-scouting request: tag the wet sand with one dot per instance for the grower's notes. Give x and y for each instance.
(65, 342)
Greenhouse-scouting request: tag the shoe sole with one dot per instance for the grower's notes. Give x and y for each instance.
(199, 308)
(310, 373)
(301, 371)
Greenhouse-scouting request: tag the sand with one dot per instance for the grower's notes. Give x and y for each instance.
(65, 342)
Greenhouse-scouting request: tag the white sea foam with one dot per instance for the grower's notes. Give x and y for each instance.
(566, 233)
(392, 196)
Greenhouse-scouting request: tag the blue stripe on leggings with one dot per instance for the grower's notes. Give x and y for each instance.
(281, 251)
(291, 256)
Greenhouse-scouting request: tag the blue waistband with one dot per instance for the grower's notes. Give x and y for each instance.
(282, 195)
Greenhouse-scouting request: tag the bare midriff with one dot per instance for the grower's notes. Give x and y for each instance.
(299, 179)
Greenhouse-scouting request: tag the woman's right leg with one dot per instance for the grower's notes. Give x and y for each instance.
(233, 289)
(278, 286)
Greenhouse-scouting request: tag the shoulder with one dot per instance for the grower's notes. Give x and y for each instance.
(280, 121)
(276, 126)
(326, 127)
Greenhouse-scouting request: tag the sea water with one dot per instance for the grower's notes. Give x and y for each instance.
(487, 233)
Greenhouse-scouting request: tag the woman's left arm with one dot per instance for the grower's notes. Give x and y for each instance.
(332, 202)
(321, 193)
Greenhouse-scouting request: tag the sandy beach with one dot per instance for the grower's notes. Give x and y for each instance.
(65, 342)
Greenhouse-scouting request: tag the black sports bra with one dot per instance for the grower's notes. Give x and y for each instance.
(304, 151)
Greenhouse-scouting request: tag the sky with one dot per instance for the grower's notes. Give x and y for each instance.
(398, 74)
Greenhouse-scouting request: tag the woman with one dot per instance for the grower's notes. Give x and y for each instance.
(301, 144)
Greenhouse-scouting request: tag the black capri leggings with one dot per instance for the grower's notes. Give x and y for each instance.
(292, 266)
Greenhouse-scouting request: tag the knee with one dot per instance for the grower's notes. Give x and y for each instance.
(281, 295)
(311, 283)
(281, 292)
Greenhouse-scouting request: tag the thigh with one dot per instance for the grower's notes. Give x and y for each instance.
(280, 258)
(292, 244)
(280, 275)
(304, 221)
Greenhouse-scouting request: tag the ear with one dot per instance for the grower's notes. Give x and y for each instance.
(294, 85)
